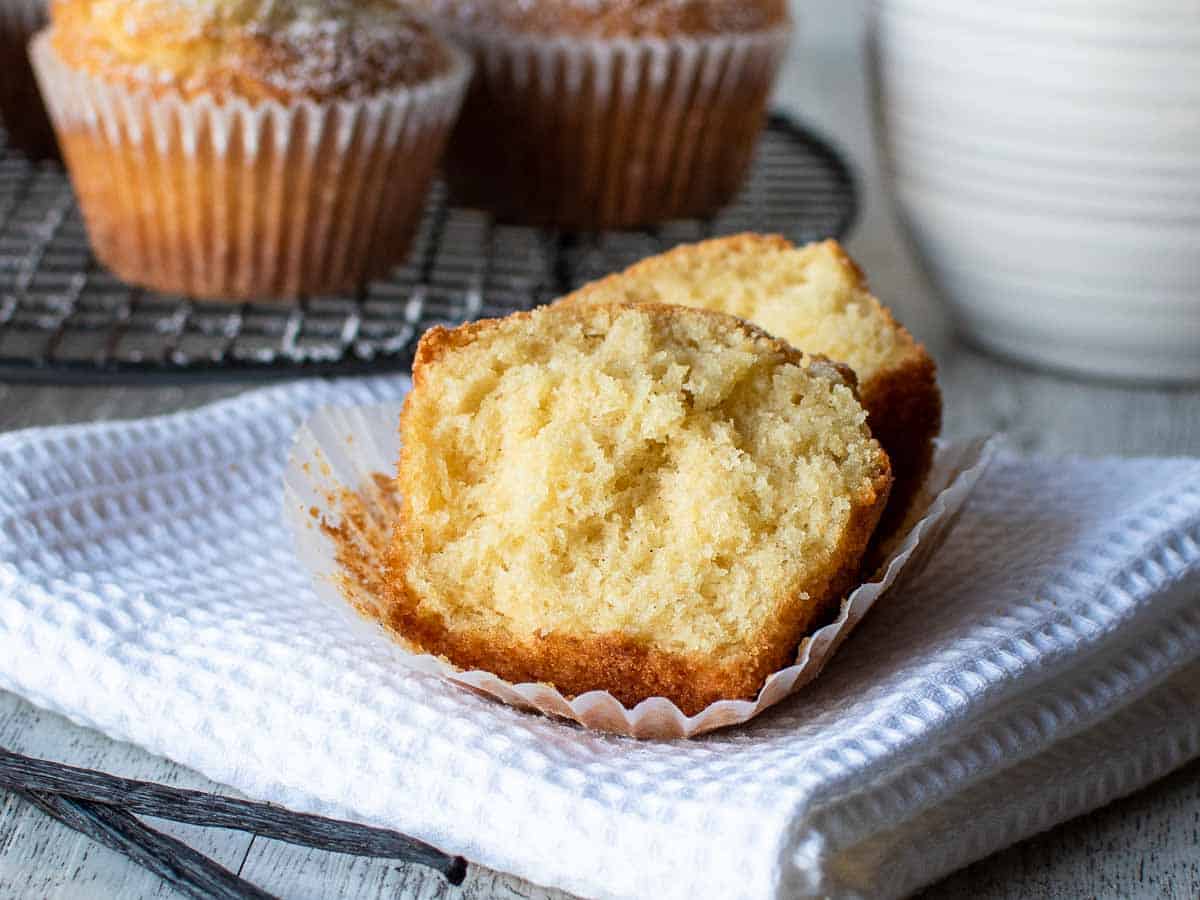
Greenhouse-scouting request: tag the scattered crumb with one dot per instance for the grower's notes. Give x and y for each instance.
(360, 527)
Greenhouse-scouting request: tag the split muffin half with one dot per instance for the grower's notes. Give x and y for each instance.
(641, 499)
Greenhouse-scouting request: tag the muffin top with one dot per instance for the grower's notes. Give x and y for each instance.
(255, 49)
(612, 18)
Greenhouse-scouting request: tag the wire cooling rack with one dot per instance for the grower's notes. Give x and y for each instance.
(64, 318)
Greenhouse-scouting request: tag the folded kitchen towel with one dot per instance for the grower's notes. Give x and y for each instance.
(1045, 661)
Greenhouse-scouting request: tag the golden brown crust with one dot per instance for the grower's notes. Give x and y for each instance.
(439, 340)
(612, 18)
(629, 669)
(904, 411)
(290, 50)
(903, 401)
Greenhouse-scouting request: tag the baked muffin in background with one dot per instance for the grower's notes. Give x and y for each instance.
(244, 149)
(21, 110)
(817, 299)
(647, 500)
(591, 114)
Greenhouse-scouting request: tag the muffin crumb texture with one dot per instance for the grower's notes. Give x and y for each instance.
(646, 500)
(817, 299)
(814, 297)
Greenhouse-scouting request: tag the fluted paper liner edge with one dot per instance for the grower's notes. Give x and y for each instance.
(240, 199)
(635, 130)
(344, 448)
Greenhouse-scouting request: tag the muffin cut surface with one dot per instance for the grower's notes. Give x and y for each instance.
(652, 501)
(816, 299)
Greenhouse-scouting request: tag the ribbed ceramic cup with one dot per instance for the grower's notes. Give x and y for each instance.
(1046, 161)
(21, 109)
(239, 200)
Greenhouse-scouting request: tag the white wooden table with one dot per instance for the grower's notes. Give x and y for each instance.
(1147, 845)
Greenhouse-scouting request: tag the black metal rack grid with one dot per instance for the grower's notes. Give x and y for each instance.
(64, 318)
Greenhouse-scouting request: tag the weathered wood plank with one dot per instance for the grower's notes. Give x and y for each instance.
(28, 405)
(39, 857)
(1045, 413)
(41, 779)
(297, 873)
(1147, 845)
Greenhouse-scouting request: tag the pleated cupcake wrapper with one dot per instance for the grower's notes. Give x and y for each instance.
(248, 200)
(611, 132)
(344, 448)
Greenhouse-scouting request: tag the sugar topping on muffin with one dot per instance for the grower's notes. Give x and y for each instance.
(611, 18)
(255, 49)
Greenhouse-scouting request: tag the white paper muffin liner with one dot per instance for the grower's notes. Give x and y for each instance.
(610, 132)
(240, 199)
(341, 448)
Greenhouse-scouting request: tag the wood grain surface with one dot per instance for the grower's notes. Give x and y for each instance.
(1147, 845)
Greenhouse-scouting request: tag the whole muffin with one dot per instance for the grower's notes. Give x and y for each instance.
(248, 149)
(590, 114)
(21, 109)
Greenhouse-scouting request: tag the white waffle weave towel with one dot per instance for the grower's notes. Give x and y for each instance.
(1046, 661)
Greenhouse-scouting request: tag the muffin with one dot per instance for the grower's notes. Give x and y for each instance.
(590, 114)
(647, 500)
(21, 111)
(817, 299)
(248, 150)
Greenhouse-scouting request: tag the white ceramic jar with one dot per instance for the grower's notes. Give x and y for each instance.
(1046, 161)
